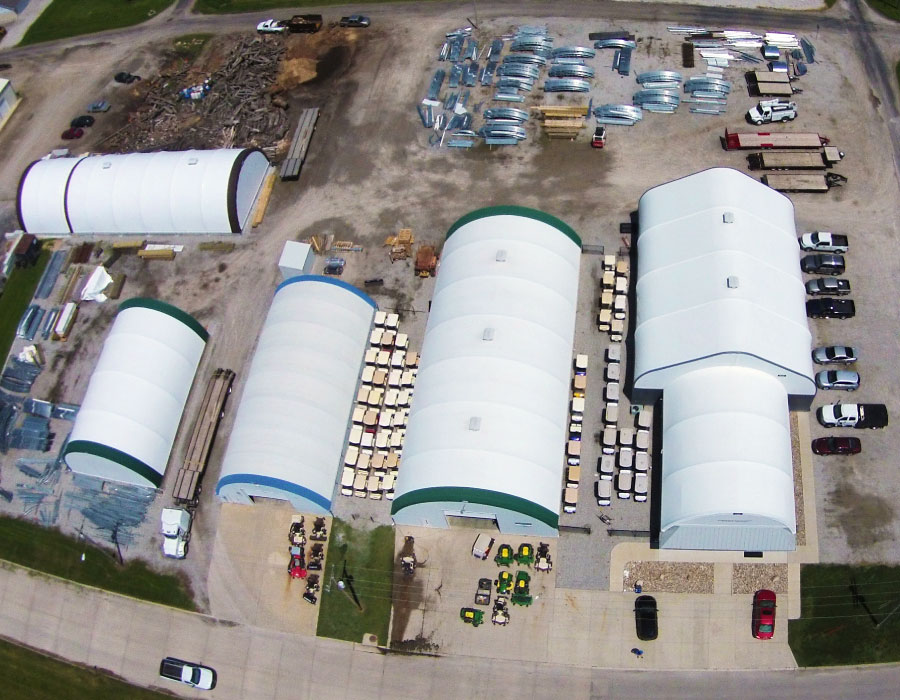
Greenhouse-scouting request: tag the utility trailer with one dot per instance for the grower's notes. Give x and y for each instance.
(803, 182)
(772, 89)
(734, 140)
(794, 160)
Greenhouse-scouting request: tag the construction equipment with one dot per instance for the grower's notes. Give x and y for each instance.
(504, 582)
(334, 266)
(312, 583)
(525, 555)
(598, 140)
(316, 555)
(297, 533)
(504, 555)
(500, 615)
(408, 556)
(543, 562)
(471, 616)
(319, 531)
(522, 590)
(426, 261)
(483, 594)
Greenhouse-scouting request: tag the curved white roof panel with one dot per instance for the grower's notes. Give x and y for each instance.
(291, 425)
(128, 420)
(718, 274)
(488, 420)
(164, 192)
(727, 476)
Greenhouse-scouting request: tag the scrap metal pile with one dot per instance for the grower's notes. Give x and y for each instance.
(239, 109)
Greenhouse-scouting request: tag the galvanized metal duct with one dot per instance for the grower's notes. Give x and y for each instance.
(573, 52)
(436, 82)
(566, 85)
(615, 44)
(659, 96)
(659, 76)
(519, 70)
(525, 58)
(621, 110)
(570, 71)
(506, 113)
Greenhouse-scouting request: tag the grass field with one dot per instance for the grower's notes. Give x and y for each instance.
(65, 18)
(838, 628)
(26, 543)
(228, 6)
(888, 8)
(16, 296)
(29, 674)
(369, 555)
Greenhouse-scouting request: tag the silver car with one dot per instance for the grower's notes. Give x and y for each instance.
(835, 355)
(841, 379)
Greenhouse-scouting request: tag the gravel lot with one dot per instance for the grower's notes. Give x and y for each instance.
(371, 171)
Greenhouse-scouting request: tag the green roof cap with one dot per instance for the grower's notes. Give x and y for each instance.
(169, 310)
(90, 447)
(511, 210)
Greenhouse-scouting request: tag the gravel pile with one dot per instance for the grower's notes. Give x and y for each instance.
(798, 483)
(749, 578)
(669, 577)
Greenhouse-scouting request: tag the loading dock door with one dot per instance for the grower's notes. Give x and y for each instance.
(476, 521)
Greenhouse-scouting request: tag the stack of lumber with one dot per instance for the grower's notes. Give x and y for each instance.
(563, 122)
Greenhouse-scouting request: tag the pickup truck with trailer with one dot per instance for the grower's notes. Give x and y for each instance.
(824, 242)
(794, 160)
(803, 182)
(189, 673)
(733, 141)
(853, 415)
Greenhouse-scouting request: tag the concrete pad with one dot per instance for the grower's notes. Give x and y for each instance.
(229, 644)
(408, 677)
(186, 638)
(42, 629)
(264, 653)
(261, 684)
(366, 673)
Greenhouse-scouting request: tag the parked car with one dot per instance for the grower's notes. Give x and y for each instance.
(98, 106)
(825, 242)
(82, 121)
(355, 21)
(828, 285)
(835, 355)
(127, 78)
(763, 614)
(836, 446)
(70, 134)
(840, 379)
(853, 415)
(187, 672)
(645, 618)
(272, 26)
(829, 307)
(823, 264)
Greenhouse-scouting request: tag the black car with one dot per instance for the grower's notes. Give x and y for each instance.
(82, 121)
(823, 264)
(829, 307)
(355, 21)
(126, 78)
(645, 620)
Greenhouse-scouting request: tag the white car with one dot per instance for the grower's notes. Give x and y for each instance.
(271, 26)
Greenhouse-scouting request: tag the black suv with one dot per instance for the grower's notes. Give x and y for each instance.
(823, 264)
(829, 307)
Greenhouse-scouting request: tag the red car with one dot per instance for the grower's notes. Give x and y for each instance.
(73, 133)
(837, 446)
(763, 614)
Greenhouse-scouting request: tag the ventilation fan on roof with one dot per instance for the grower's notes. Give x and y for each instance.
(488, 334)
(733, 282)
(728, 217)
(501, 256)
(475, 423)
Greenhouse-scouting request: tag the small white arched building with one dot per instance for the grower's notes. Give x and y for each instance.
(487, 428)
(128, 420)
(292, 423)
(137, 193)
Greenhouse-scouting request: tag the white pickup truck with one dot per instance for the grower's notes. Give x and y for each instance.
(853, 415)
(824, 242)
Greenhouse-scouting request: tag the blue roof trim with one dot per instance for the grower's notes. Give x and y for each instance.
(281, 484)
(329, 280)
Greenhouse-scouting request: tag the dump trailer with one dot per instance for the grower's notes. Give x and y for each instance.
(765, 139)
(304, 23)
(803, 182)
(793, 160)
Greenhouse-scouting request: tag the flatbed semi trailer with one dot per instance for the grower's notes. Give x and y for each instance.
(803, 182)
(763, 139)
(794, 160)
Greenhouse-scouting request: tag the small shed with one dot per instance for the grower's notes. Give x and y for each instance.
(27, 251)
(296, 259)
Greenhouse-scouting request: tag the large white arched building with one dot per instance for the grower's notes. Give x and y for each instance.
(164, 192)
(291, 427)
(719, 283)
(721, 334)
(128, 420)
(487, 428)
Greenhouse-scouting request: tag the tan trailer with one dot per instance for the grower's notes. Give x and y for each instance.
(570, 500)
(573, 477)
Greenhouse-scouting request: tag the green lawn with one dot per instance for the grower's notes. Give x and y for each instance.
(16, 297)
(835, 628)
(369, 555)
(888, 8)
(30, 674)
(65, 18)
(26, 543)
(226, 6)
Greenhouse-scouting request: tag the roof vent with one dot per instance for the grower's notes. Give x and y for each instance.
(501, 256)
(733, 281)
(728, 217)
(193, 160)
(475, 423)
(488, 334)
(106, 165)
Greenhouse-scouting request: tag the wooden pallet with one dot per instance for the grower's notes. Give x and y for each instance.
(290, 167)
(262, 201)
